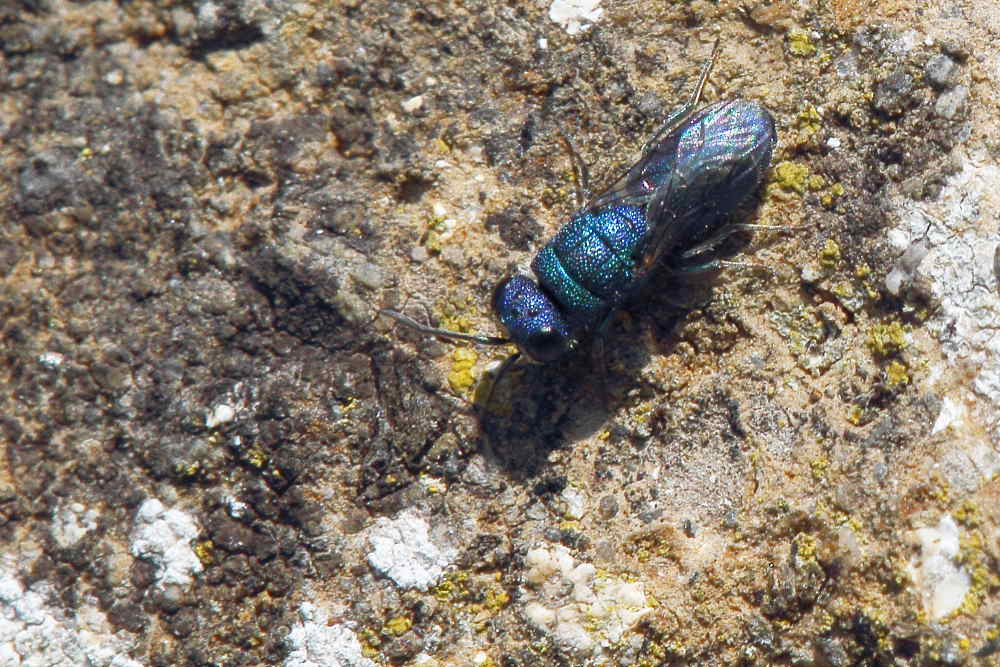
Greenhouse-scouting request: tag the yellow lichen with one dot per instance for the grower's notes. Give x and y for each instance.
(809, 120)
(830, 254)
(800, 44)
(204, 550)
(855, 415)
(830, 196)
(399, 625)
(885, 340)
(256, 457)
(968, 515)
(819, 466)
(460, 377)
(806, 546)
(496, 600)
(896, 374)
(791, 176)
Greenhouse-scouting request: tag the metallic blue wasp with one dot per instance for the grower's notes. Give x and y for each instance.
(668, 212)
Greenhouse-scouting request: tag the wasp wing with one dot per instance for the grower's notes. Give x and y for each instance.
(695, 177)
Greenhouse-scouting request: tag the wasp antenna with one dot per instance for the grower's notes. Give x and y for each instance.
(443, 333)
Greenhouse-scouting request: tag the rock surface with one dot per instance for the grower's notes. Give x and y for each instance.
(214, 452)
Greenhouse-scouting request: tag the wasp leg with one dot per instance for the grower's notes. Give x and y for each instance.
(581, 175)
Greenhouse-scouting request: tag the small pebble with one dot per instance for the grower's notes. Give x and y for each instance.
(950, 102)
(940, 71)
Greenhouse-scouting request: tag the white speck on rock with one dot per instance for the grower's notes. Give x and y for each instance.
(941, 581)
(402, 550)
(574, 503)
(34, 633)
(51, 360)
(575, 15)
(951, 413)
(315, 642)
(164, 538)
(222, 413)
(413, 104)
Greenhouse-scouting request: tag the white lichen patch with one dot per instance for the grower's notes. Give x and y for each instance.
(34, 633)
(71, 523)
(575, 16)
(961, 240)
(164, 538)
(317, 642)
(941, 581)
(577, 607)
(403, 551)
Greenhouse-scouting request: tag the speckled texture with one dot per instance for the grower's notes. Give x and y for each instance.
(204, 203)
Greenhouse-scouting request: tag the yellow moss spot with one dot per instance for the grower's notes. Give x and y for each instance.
(442, 145)
(399, 625)
(204, 550)
(830, 254)
(460, 378)
(791, 176)
(862, 272)
(819, 467)
(886, 339)
(800, 44)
